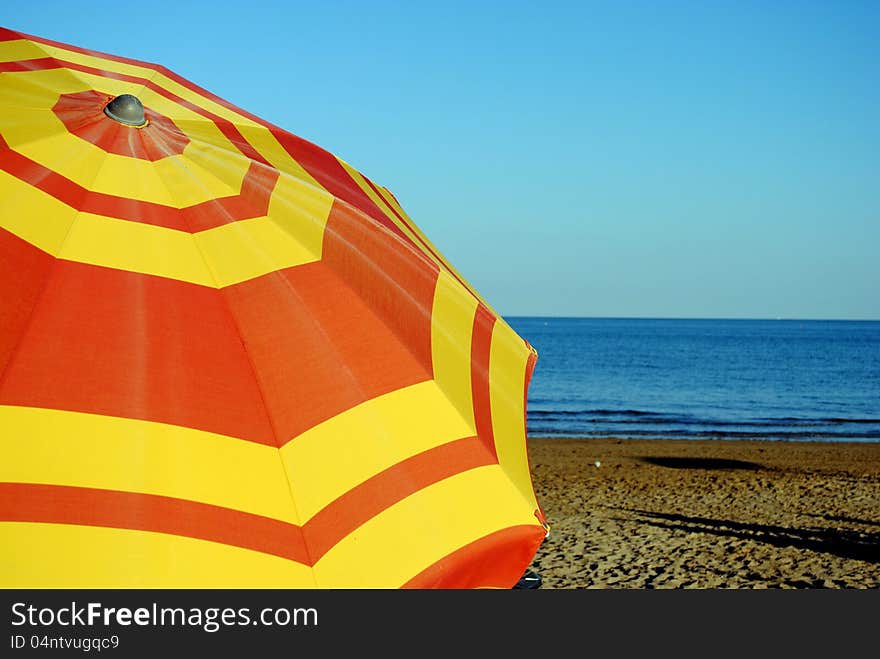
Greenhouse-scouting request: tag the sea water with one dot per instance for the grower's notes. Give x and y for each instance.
(661, 378)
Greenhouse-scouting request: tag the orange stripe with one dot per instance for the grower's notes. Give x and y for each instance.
(481, 344)
(83, 115)
(252, 201)
(24, 270)
(10, 35)
(484, 563)
(323, 166)
(226, 127)
(531, 362)
(383, 490)
(329, 172)
(58, 504)
(319, 163)
(317, 347)
(125, 344)
(44, 179)
(391, 275)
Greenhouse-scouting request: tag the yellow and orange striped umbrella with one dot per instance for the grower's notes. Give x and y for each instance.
(229, 359)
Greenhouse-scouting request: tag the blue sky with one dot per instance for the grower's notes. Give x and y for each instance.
(672, 159)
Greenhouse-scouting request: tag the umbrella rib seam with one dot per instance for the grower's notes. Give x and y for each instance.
(278, 440)
(55, 258)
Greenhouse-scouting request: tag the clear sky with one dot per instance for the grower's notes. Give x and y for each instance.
(656, 158)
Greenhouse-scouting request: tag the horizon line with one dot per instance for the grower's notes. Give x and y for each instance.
(767, 318)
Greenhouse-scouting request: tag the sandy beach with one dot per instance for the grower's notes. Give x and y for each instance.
(708, 514)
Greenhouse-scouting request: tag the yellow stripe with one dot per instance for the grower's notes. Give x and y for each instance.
(406, 538)
(19, 49)
(204, 131)
(367, 439)
(452, 320)
(301, 209)
(24, 49)
(136, 247)
(146, 72)
(507, 364)
(33, 215)
(211, 166)
(291, 235)
(221, 256)
(89, 450)
(44, 138)
(68, 556)
(269, 147)
(26, 91)
(256, 134)
(202, 173)
(23, 92)
(243, 250)
(218, 257)
(50, 83)
(177, 181)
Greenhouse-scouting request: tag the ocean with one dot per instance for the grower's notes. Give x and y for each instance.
(794, 380)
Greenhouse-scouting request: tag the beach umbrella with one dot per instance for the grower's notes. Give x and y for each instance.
(230, 359)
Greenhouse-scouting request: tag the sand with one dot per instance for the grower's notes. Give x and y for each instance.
(708, 514)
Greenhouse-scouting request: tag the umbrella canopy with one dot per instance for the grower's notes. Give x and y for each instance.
(229, 359)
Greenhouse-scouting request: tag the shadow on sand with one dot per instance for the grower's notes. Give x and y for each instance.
(700, 463)
(843, 518)
(845, 543)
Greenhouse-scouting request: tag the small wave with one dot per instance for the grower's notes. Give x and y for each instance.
(680, 433)
(640, 417)
(598, 413)
(823, 420)
(642, 424)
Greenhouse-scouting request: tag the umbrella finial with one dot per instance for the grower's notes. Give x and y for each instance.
(126, 109)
